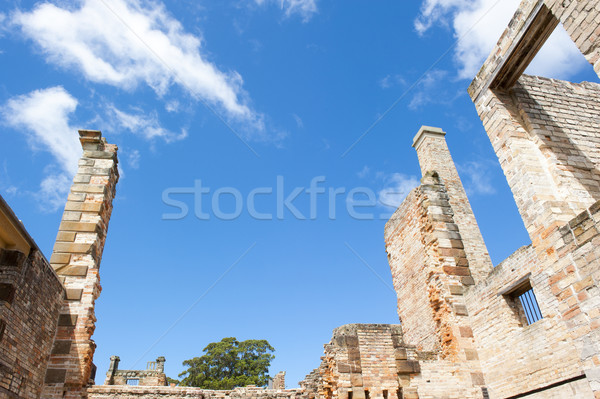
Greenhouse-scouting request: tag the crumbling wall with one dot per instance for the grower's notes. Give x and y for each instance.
(364, 360)
(30, 298)
(129, 392)
(154, 375)
(516, 357)
(76, 259)
(545, 133)
(279, 380)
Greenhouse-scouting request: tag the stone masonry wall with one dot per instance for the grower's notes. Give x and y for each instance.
(30, 298)
(545, 134)
(130, 392)
(436, 278)
(563, 120)
(516, 357)
(581, 20)
(76, 259)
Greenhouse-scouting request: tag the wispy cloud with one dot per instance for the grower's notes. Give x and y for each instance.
(43, 115)
(363, 172)
(397, 186)
(559, 58)
(127, 42)
(427, 91)
(392, 80)
(299, 121)
(477, 177)
(133, 159)
(143, 124)
(304, 8)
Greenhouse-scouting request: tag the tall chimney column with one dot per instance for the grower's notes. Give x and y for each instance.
(76, 259)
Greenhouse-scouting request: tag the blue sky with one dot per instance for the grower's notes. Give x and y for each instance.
(238, 96)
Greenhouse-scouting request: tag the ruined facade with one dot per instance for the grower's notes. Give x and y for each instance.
(475, 322)
(47, 308)
(154, 375)
(466, 330)
(31, 297)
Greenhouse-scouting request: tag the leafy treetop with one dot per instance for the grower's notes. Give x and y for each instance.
(228, 364)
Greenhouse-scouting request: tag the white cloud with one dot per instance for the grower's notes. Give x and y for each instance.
(305, 8)
(134, 159)
(299, 121)
(44, 116)
(427, 91)
(53, 192)
(363, 172)
(100, 44)
(477, 178)
(392, 80)
(478, 24)
(145, 125)
(397, 187)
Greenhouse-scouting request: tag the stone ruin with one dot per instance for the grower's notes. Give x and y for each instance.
(154, 375)
(467, 329)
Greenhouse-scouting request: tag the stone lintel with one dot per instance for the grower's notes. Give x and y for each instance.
(427, 132)
(91, 140)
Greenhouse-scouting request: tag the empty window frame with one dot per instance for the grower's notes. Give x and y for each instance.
(133, 381)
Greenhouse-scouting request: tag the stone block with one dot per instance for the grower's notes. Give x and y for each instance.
(471, 354)
(477, 379)
(72, 270)
(83, 206)
(88, 188)
(356, 380)
(358, 393)
(461, 310)
(407, 367)
(456, 289)
(400, 354)
(72, 248)
(74, 294)
(61, 347)
(78, 226)
(67, 320)
(7, 292)
(68, 236)
(55, 376)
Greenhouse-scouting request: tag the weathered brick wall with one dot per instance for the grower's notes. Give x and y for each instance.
(581, 20)
(562, 119)
(30, 298)
(545, 134)
(516, 357)
(129, 392)
(361, 360)
(76, 259)
(373, 360)
(279, 380)
(403, 236)
(434, 155)
(154, 375)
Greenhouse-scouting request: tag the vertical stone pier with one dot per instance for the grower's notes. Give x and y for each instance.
(76, 259)
(434, 155)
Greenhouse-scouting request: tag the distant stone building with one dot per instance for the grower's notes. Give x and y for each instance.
(154, 375)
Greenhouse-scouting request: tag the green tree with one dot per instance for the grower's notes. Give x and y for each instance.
(228, 364)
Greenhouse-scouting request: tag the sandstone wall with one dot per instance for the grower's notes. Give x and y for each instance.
(157, 392)
(30, 298)
(76, 259)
